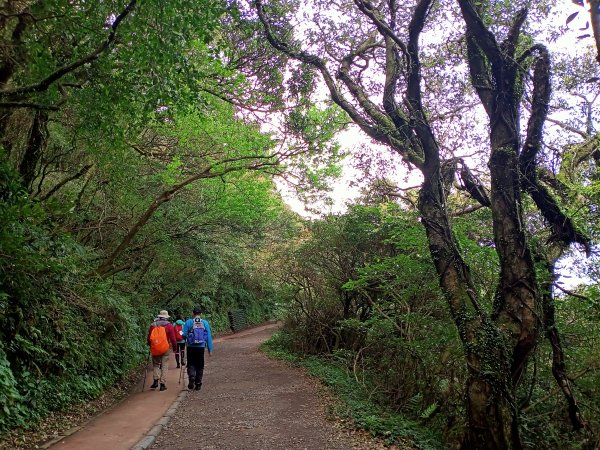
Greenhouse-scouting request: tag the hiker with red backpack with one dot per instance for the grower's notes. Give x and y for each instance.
(180, 338)
(198, 337)
(161, 339)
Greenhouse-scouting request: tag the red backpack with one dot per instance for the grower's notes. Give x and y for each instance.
(179, 332)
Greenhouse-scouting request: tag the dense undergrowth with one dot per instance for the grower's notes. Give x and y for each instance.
(379, 333)
(63, 338)
(365, 405)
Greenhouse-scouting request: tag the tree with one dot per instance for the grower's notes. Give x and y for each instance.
(366, 68)
(197, 147)
(74, 65)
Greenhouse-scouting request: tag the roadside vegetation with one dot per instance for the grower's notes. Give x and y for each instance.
(371, 323)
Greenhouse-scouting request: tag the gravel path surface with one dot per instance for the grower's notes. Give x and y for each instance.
(249, 402)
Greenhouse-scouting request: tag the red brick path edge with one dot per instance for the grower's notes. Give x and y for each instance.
(135, 422)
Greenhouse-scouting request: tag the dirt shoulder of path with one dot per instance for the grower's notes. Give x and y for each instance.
(66, 422)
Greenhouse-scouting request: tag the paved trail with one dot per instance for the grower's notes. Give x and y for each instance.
(249, 402)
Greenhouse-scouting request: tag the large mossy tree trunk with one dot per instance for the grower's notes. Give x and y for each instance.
(36, 142)
(497, 77)
(492, 416)
(517, 305)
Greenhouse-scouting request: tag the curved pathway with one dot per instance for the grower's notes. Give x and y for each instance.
(250, 402)
(247, 402)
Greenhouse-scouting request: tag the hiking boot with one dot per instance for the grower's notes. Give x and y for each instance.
(198, 386)
(191, 383)
(154, 385)
(162, 387)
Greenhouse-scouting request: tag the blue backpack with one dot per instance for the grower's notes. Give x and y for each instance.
(198, 334)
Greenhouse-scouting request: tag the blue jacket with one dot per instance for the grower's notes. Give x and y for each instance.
(188, 326)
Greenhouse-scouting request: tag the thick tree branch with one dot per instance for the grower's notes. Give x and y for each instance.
(392, 44)
(484, 37)
(367, 9)
(558, 187)
(510, 43)
(539, 111)
(392, 70)
(413, 89)
(480, 75)
(107, 266)
(415, 27)
(79, 174)
(413, 74)
(384, 124)
(563, 228)
(58, 74)
(473, 186)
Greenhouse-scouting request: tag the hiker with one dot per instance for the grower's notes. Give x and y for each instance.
(180, 338)
(161, 338)
(198, 338)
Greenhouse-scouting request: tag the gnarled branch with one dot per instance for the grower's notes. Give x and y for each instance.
(61, 72)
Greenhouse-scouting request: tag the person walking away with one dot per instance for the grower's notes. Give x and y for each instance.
(161, 339)
(180, 337)
(198, 338)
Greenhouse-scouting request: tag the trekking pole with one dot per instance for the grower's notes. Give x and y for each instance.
(181, 365)
(146, 370)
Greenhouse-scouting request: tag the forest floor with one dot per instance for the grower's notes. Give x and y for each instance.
(247, 401)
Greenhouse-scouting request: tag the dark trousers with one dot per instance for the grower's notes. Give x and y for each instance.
(195, 362)
(180, 351)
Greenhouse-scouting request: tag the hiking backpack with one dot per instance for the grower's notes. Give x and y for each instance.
(198, 334)
(179, 332)
(159, 343)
